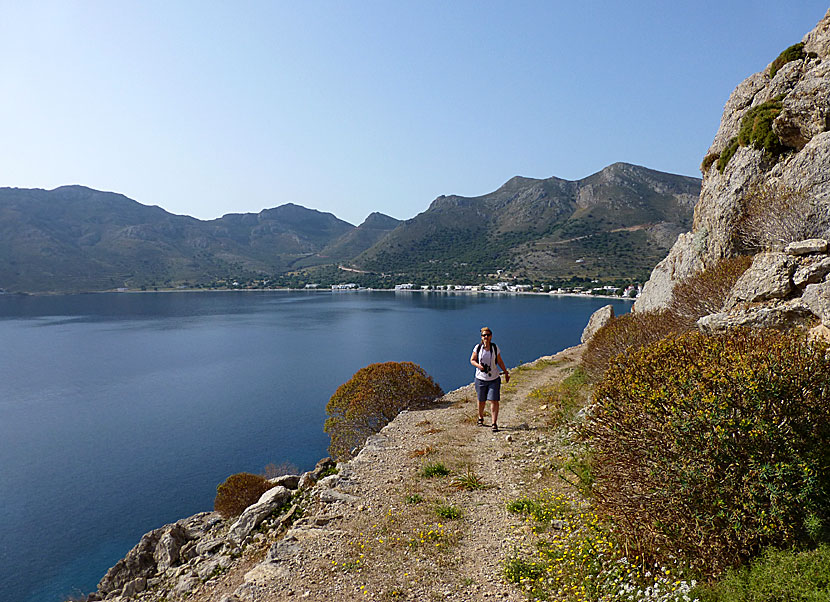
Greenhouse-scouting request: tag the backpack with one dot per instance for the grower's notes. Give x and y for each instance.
(494, 352)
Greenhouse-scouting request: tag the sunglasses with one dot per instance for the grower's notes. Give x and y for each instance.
(486, 334)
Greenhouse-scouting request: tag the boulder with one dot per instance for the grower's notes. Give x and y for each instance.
(817, 298)
(598, 319)
(256, 513)
(769, 277)
(805, 247)
(811, 270)
(781, 315)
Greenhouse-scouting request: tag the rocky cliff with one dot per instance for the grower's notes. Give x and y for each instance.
(773, 142)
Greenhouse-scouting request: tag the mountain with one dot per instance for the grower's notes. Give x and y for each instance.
(78, 239)
(617, 223)
(354, 242)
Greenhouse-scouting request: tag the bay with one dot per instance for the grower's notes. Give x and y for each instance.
(122, 412)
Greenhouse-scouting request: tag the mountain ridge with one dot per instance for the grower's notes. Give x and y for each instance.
(74, 238)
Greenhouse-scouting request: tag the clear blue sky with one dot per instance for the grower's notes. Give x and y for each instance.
(206, 108)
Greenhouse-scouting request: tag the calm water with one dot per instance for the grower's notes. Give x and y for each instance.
(120, 413)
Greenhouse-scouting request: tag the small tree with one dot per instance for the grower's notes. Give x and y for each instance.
(371, 398)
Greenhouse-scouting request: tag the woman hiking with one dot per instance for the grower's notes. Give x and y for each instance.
(485, 358)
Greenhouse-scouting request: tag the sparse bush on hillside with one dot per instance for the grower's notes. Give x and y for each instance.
(774, 214)
(625, 333)
(371, 398)
(238, 492)
(707, 162)
(793, 53)
(713, 448)
(705, 292)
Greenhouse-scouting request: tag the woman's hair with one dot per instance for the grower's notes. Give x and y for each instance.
(487, 328)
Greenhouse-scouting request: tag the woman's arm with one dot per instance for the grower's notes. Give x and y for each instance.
(503, 369)
(474, 362)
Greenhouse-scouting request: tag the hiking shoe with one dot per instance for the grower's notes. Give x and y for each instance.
(495, 428)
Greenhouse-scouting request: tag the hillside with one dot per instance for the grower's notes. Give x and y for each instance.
(617, 223)
(78, 239)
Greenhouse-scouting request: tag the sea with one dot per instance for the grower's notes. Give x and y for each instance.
(122, 412)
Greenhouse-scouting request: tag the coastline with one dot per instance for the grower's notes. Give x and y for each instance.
(318, 290)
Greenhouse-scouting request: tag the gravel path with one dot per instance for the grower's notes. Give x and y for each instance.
(380, 530)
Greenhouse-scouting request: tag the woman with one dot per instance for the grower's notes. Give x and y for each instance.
(488, 384)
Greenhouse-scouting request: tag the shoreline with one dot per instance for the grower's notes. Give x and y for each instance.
(318, 290)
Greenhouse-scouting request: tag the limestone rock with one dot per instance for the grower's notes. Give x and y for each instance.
(256, 513)
(805, 247)
(769, 277)
(817, 298)
(598, 319)
(811, 270)
(682, 261)
(780, 315)
(167, 549)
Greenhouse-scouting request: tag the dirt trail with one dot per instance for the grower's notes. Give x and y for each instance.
(380, 530)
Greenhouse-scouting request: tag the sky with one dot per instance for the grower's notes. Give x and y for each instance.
(206, 108)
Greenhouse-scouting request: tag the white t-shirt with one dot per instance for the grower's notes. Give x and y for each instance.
(485, 358)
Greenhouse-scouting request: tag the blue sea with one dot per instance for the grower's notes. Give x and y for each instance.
(121, 412)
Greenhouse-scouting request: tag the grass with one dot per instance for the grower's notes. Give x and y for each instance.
(434, 469)
(448, 512)
(469, 481)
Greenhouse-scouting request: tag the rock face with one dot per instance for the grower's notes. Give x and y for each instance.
(178, 557)
(598, 319)
(803, 88)
(779, 290)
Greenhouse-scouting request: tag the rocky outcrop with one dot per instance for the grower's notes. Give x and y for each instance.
(803, 88)
(598, 319)
(169, 562)
(779, 290)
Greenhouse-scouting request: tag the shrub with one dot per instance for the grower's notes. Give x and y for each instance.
(793, 53)
(448, 512)
(713, 448)
(371, 398)
(705, 292)
(756, 128)
(238, 492)
(775, 214)
(777, 575)
(623, 334)
(707, 162)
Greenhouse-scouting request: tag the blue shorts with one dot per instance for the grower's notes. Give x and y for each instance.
(488, 390)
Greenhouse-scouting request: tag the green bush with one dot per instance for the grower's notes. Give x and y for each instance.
(779, 575)
(712, 448)
(238, 492)
(756, 128)
(370, 399)
(793, 53)
(727, 153)
(624, 334)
